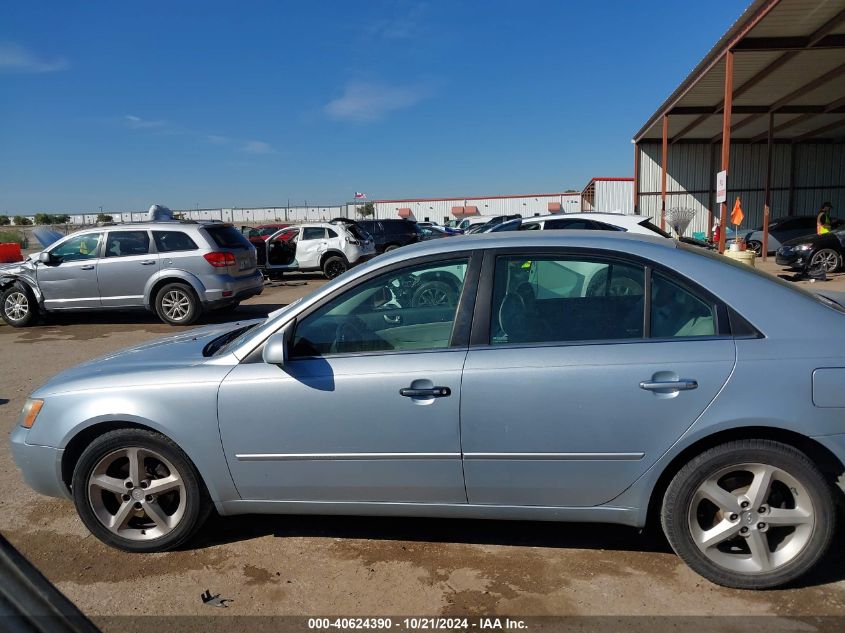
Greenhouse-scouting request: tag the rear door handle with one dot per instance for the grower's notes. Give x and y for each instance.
(433, 392)
(89, 267)
(148, 262)
(685, 384)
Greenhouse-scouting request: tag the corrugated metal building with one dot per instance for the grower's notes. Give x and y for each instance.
(774, 88)
(444, 209)
(608, 195)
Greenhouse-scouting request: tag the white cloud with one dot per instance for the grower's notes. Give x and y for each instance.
(218, 140)
(257, 147)
(362, 102)
(16, 59)
(137, 123)
(403, 25)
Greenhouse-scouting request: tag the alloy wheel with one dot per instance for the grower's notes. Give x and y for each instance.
(334, 269)
(751, 518)
(137, 494)
(16, 306)
(826, 259)
(433, 296)
(176, 305)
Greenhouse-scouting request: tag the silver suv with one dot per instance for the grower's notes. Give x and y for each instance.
(176, 269)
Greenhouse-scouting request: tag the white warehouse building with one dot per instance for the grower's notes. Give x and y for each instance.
(444, 209)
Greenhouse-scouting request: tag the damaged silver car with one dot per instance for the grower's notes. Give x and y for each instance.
(176, 269)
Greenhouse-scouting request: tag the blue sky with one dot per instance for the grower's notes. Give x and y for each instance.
(252, 103)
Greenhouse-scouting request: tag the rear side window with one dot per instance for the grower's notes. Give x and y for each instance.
(227, 237)
(313, 233)
(170, 241)
(676, 312)
(331, 232)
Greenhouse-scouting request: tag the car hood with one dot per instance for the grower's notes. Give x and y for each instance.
(162, 361)
(46, 237)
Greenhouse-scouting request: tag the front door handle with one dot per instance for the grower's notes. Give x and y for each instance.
(685, 384)
(433, 392)
(89, 267)
(148, 262)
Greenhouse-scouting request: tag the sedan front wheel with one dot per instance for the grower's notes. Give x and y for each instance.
(750, 514)
(137, 491)
(827, 259)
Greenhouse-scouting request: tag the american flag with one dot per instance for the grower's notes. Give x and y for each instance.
(360, 196)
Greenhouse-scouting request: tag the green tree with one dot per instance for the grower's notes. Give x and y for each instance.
(104, 217)
(5, 220)
(62, 218)
(367, 210)
(20, 220)
(43, 218)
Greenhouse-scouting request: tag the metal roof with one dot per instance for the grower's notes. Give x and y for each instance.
(789, 58)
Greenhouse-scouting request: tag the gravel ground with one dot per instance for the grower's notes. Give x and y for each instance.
(291, 565)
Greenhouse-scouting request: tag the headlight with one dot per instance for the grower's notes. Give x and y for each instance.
(31, 409)
(803, 247)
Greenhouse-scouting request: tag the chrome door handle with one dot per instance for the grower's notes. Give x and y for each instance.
(148, 262)
(90, 267)
(685, 384)
(433, 392)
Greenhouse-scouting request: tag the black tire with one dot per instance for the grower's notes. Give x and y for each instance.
(197, 503)
(334, 265)
(756, 246)
(433, 294)
(390, 247)
(680, 495)
(19, 306)
(827, 259)
(182, 294)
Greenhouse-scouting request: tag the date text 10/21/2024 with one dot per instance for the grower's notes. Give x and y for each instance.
(418, 623)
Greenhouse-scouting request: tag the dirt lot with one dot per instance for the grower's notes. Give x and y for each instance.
(348, 566)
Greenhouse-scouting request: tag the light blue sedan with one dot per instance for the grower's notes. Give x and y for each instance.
(566, 376)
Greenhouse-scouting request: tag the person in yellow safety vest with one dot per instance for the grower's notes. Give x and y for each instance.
(823, 219)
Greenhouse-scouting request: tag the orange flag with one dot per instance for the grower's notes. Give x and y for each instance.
(737, 215)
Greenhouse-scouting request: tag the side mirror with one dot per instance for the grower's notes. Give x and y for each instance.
(276, 347)
(44, 257)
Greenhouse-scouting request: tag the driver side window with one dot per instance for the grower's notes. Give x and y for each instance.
(79, 247)
(406, 310)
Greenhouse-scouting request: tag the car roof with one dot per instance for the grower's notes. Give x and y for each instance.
(619, 219)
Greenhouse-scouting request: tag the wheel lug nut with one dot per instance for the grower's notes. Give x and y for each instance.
(129, 485)
(149, 497)
(137, 505)
(761, 526)
(762, 510)
(744, 504)
(734, 517)
(144, 484)
(126, 497)
(743, 530)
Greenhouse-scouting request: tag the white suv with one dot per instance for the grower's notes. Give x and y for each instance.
(331, 248)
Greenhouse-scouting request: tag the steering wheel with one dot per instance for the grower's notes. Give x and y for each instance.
(348, 336)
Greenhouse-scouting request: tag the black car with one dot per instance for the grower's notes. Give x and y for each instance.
(818, 251)
(390, 234)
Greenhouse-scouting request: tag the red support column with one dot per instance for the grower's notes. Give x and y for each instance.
(636, 178)
(664, 160)
(767, 204)
(726, 140)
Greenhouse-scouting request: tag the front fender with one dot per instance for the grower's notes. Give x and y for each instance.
(171, 274)
(8, 280)
(191, 422)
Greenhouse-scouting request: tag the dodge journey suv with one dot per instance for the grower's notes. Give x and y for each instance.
(176, 269)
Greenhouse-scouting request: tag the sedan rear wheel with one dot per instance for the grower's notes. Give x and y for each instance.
(751, 514)
(137, 491)
(827, 259)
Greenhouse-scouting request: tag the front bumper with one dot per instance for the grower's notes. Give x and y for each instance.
(791, 257)
(41, 466)
(231, 289)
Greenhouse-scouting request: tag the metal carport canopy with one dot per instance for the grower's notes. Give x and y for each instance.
(777, 75)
